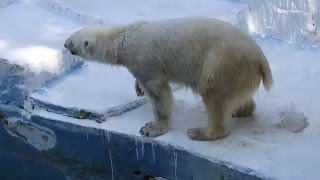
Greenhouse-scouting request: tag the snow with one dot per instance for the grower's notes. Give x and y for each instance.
(37, 47)
(95, 87)
(280, 141)
(128, 11)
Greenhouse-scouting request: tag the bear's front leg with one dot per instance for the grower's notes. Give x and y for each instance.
(160, 96)
(138, 89)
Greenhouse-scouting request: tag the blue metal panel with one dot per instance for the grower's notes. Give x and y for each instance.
(89, 153)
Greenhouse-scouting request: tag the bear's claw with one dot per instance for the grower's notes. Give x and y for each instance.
(153, 129)
(204, 134)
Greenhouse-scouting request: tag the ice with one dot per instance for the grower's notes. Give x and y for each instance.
(292, 20)
(111, 164)
(154, 155)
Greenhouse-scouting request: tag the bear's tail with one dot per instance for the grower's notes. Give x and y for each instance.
(266, 74)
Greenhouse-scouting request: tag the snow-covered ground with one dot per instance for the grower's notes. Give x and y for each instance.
(95, 87)
(33, 39)
(280, 141)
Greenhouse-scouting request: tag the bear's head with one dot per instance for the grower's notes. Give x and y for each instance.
(94, 43)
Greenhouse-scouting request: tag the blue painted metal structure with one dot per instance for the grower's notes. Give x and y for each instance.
(89, 153)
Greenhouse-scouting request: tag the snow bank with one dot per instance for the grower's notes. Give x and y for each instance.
(295, 21)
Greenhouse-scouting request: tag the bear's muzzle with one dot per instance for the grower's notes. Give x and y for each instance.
(70, 46)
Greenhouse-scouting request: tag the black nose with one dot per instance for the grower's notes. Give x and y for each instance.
(69, 45)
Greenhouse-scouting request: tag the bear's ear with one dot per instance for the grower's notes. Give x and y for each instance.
(85, 44)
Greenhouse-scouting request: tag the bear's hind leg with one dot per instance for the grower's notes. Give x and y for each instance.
(246, 109)
(217, 117)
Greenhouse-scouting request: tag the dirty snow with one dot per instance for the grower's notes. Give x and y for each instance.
(267, 142)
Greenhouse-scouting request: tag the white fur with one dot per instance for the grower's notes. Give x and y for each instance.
(213, 58)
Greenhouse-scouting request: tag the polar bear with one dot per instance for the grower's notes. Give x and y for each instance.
(213, 58)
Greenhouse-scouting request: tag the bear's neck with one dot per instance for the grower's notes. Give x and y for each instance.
(113, 46)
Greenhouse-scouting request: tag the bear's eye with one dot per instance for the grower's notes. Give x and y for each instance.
(86, 43)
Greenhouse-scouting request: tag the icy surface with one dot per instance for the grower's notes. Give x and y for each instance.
(128, 11)
(31, 44)
(95, 87)
(293, 20)
(33, 37)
